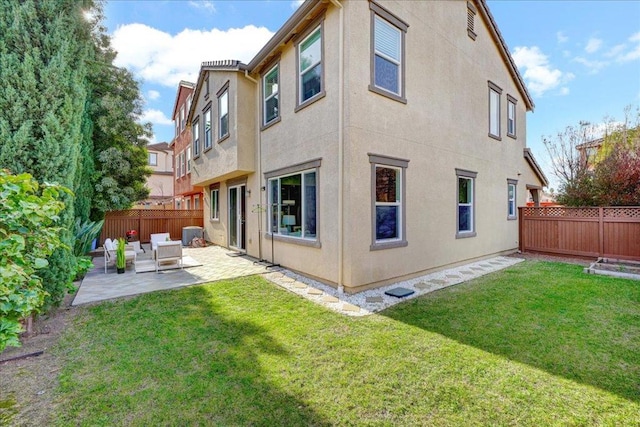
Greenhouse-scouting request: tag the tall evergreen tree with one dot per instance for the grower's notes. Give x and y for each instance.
(43, 47)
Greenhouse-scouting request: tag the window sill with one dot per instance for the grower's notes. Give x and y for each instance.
(207, 149)
(271, 123)
(512, 218)
(222, 139)
(387, 94)
(310, 101)
(511, 135)
(217, 220)
(465, 234)
(378, 246)
(496, 137)
(295, 240)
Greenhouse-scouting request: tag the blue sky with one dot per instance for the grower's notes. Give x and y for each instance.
(580, 59)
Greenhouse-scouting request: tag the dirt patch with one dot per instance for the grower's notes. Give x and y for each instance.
(27, 394)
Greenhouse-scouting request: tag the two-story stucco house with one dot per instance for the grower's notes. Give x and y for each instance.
(367, 142)
(187, 195)
(160, 182)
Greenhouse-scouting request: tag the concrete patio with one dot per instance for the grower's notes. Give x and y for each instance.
(216, 263)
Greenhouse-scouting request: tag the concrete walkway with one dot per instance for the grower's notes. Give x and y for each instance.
(217, 263)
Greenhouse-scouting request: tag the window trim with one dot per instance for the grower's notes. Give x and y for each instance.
(315, 25)
(496, 89)
(512, 101)
(264, 125)
(149, 160)
(207, 110)
(377, 10)
(300, 168)
(377, 160)
(183, 166)
(466, 174)
(176, 166)
(223, 90)
(195, 130)
(183, 120)
(514, 183)
(214, 214)
(188, 151)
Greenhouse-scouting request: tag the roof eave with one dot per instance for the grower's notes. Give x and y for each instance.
(528, 155)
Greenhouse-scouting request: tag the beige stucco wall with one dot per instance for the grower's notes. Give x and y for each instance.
(160, 183)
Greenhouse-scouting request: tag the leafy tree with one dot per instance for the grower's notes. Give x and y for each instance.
(28, 235)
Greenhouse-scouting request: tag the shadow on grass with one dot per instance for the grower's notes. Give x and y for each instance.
(177, 358)
(548, 315)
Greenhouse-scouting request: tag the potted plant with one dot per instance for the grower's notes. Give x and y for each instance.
(121, 261)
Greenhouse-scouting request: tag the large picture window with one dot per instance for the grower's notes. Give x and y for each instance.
(388, 201)
(270, 95)
(223, 114)
(310, 66)
(466, 203)
(387, 53)
(195, 130)
(207, 129)
(293, 202)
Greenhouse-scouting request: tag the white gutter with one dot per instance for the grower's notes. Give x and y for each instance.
(337, 4)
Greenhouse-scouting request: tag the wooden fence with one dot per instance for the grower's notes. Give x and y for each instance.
(609, 232)
(146, 222)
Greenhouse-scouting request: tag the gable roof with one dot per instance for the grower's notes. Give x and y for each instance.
(183, 85)
(159, 146)
(528, 155)
(504, 52)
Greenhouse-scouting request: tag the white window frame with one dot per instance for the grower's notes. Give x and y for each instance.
(494, 111)
(462, 174)
(195, 129)
(215, 204)
(188, 159)
(275, 94)
(512, 208)
(182, 118)
(153, 155)
(511, 116)
(300, 73)
(177, 165)
(208, 140)
(223, 97)
(182, 164)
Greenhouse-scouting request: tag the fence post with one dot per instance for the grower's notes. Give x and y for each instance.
(601, 231)
(521, 229)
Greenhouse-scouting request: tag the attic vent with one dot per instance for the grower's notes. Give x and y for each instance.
(471, 16)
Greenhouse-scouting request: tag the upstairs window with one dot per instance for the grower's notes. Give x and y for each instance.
(207, 129)
(494, 110)
(188, 104)
(223, 114)
(182, 121)
(270, 95)
(387, 55)
(153, 159)
(511, 116)
(310, 73)
(188, 159)
(195, 129)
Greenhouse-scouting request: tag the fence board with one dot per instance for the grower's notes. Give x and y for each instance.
(147, 222)
(611, 232)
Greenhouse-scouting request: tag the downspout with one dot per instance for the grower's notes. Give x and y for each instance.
(337, 4)
(259, 168)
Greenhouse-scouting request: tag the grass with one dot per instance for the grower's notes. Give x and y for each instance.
(537, 344)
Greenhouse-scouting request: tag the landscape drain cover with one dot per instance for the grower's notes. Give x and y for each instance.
(399, 292)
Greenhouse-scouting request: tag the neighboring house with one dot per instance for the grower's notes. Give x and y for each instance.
(589, 152)
(160, 182)
(367, 142)
(187, 196)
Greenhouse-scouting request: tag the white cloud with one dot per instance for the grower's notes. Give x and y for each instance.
(564, 91)
(153, 94)
(538, 73)
(156, 117)
(594, 66)
(159, 57)
(296, 4)
(615, 51)
(561, 37)
(203, 5)
(593, 45)
(634, 53)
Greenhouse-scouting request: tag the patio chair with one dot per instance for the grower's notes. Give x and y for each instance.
(158, 237)
(168, 252)
(110, 247)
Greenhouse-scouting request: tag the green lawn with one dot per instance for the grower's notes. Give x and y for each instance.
(537, 344)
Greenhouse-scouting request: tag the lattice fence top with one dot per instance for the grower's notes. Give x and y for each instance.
(155, 213)
(566, 212)
(622, 212)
